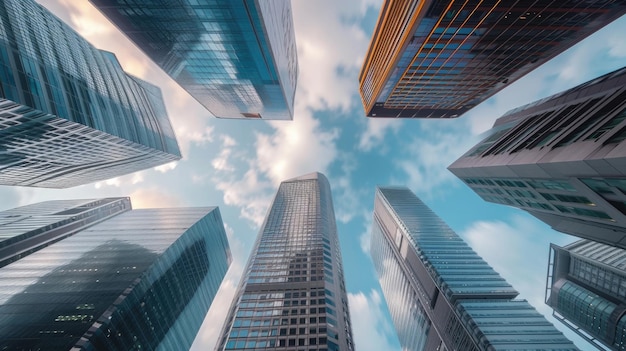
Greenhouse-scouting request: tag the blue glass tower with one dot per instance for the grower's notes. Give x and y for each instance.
(236, 57)
(69, 114)
(141, 279)
(292, 295)
(440, 293)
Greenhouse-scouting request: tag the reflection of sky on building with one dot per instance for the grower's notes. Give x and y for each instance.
(293, 292)
(237, 58)
(440, 59)
(27, 229)
(70, 114)
(436, 284)
(410, 321)
(116, 276)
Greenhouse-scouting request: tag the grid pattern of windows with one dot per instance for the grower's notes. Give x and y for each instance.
(441, 294)
(69, 114)
(142, 279)
(587, 282)
(547, 195)
(585, 308)
(441, 59)
(237, 58)
(293, 296)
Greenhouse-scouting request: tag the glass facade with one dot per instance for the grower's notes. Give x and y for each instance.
(26, 229)
(236, 57)
(292, 296)
(439, 58)
(441, 294)
(69, 114)
(587, 290)
(143, 279)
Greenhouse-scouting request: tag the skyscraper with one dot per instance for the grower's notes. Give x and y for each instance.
(142, 279)
(440, 58)
(292, 295)
(587, 289)
(26, 229)
(69, 114)
(236, 57)
(441, 294)
(561, 159)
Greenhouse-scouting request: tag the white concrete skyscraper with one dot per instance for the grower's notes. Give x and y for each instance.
(562, 159)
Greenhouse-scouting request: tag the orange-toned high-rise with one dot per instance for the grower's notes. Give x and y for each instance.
(440, 58)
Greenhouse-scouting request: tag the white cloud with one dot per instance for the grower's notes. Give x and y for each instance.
(166, 167)
(330, 53)
(376, 131)
(86, 19)
(365, 239)
(370, 326)
(222, 161)
(154, 197)
(425, 167)
(115, 182)
(347, 199)
(250, 193)
(295, 148)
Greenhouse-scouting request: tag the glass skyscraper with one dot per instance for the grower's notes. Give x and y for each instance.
(292, 295)
(69, 114)
(142, 279)
(587, 289)
(441, 294)
(562, 159)
(26, 229)
(236, 57)
(440, 58)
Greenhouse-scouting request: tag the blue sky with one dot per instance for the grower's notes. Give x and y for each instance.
(237, 165)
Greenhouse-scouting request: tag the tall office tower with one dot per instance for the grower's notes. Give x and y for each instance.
(441, 294)
(142, 279)
(587, 289)
(69, 114)
(440, 58)
(26, 229)
(561, 159)
(292, 295)
(236, 57)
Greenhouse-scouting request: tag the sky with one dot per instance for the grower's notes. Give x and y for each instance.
(238, 164)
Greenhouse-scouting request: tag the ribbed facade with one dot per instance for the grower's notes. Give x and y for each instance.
(143, 279)
(292, 295)
(26, 229)
(561, 159)
(441, 294)
(236, 57)
(587, 290)
(69, 114)
(440, 58)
